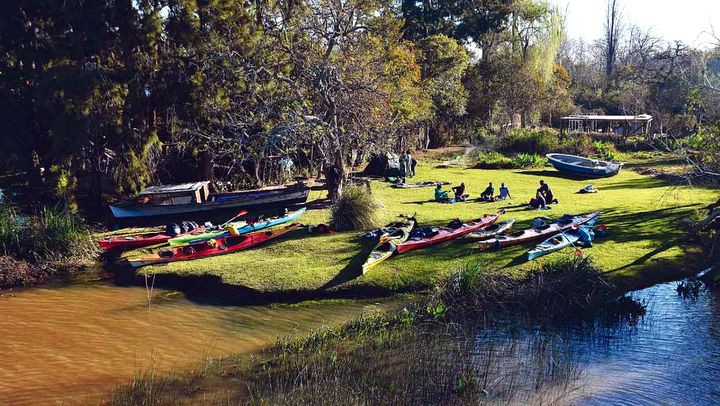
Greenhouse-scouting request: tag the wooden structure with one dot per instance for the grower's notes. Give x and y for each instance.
(621, 125)
(185, 193)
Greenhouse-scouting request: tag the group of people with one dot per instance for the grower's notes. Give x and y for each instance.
(543, 195)
(442, 196)
(407, 166)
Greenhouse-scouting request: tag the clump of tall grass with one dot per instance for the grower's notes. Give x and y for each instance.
(50, 235)
(356, 209)
(564, 287)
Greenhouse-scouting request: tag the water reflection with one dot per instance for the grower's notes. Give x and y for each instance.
(669, 356)
(73, 343)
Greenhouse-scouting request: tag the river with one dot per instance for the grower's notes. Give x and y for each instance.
(671, 355)
(71, 344)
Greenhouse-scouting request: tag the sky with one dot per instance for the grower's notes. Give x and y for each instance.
(683, 20)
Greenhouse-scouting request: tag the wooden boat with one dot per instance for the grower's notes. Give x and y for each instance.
(237, 228)
(213, 247)
(583, 166)
(492, 230)
(446, 234)
(535, 234)
(387, 243)
(171, 200)
(558, 242)
(418, 185)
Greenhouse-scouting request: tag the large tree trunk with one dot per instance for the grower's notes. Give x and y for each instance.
(335, 181)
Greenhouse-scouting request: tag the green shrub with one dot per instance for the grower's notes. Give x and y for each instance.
(52, 234)
(356, 209)
(493, 160)
(605, 150)
(10, 230)
(577, 145)
(525, 160)
(538, 141)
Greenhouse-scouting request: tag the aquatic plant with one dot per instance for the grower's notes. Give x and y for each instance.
(356, 209)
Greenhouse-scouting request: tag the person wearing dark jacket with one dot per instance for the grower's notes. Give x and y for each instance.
(546, 193)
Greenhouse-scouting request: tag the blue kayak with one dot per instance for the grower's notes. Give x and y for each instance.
(583, 166)
(555, 243)
(241, 228)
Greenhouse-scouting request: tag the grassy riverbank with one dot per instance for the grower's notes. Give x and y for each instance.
(643, 215)
(41, 247)
(440, 349)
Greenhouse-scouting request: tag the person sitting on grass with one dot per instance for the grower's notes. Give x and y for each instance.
(538, 202)
(488, 193)
(460, 194)
(547, 193)
(441, 196)
(504, 192)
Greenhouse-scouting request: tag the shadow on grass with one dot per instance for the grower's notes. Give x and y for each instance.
(319, 204)
(352, 270)
(655, 163)
(548, 173)
(656, 226)
(639, 183)
(421, 202)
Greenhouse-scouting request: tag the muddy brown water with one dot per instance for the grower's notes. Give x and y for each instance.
(73, 344)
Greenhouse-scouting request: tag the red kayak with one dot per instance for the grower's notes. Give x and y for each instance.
(139, 240)
(210, 248)
(446, 234)
(128, 242)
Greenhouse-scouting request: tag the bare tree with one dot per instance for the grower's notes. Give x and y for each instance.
(613, 28)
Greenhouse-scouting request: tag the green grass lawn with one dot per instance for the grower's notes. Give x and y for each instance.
(641, 213)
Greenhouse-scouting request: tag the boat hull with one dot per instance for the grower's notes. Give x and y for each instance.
(130, 212)
(220, 246)
(536, 234)
(583, 166)
(447, 234)
(492, 231)
(387, 245)
(138, 241)
(241, 228)
(552, 244)
(558, 242)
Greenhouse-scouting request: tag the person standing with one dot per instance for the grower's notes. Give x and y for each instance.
(406, 166)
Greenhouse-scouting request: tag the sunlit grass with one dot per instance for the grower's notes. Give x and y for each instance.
(641, 213)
